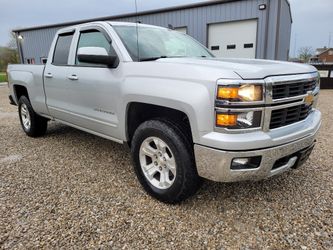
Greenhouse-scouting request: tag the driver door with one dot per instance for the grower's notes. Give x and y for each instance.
(94, 89)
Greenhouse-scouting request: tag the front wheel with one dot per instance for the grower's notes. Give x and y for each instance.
(164, 161)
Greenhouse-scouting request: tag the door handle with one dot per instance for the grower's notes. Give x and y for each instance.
(49, 75)
(73, 77)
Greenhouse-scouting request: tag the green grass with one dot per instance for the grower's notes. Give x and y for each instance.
(3, 77)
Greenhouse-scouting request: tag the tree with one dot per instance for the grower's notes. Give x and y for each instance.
(9, 54)
(305, 53)
(12, 41)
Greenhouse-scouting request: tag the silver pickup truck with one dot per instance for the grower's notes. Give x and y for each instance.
(185, 114)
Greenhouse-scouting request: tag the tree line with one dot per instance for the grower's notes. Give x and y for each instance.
(9, 54)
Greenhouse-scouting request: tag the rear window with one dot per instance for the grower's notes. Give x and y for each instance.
(61, 52)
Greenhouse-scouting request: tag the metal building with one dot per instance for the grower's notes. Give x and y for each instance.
(229, 28)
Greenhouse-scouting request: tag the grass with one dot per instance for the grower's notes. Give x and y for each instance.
(3, 77)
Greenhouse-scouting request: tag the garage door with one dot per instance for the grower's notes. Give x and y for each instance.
(233, 39)
(181, 29)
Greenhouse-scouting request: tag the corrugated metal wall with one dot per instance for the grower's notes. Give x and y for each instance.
(36, 43)
(283, 43)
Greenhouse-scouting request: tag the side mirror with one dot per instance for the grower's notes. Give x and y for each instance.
(97, 55)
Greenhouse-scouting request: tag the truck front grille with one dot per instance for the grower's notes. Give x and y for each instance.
(287, 116)
(286, 90)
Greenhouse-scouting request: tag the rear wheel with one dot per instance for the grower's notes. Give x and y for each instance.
(32, 124)
(164, 161)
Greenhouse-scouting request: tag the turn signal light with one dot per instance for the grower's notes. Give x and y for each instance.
(226, 120)
(227, 93)
(238, 120)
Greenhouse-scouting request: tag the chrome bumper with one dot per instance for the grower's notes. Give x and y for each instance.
(214, 164)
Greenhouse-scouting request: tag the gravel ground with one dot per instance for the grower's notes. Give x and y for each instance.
(71, 189)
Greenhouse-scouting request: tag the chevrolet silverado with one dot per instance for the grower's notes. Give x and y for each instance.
(185, 115)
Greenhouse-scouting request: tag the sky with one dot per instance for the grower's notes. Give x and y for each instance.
(312, 19)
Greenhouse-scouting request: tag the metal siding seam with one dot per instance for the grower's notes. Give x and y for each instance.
(277, 30)
(267, 29)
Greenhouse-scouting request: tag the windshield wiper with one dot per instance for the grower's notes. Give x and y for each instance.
(151, 58)
(159, 57)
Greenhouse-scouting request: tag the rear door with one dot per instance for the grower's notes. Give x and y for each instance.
(56, 80)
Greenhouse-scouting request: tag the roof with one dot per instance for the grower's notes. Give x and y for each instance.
(133, 14)
(69, 29)
(321, 51)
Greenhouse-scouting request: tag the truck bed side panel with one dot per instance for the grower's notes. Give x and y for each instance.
(31, 77)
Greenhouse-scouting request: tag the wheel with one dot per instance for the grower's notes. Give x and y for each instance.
(164, 161)
(33, 124)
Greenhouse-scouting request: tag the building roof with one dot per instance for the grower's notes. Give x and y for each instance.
(180, 7)
(321, 51)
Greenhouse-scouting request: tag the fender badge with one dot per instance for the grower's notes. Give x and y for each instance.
(309, 99)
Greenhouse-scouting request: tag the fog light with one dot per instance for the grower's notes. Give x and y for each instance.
(245, 163)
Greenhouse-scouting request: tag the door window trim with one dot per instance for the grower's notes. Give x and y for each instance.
(70, 32)
(87, 30)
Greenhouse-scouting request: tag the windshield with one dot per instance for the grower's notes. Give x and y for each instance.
(155, 43)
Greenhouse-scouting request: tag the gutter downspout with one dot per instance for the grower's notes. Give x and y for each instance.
(19, 48)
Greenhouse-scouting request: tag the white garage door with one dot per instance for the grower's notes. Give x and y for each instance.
(181, 29)
(233, 39)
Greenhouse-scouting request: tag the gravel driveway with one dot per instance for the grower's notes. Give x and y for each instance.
(72, 189)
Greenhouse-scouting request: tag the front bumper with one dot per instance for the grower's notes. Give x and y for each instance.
(214, 164)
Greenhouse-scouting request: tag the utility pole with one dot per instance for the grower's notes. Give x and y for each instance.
(329, 39)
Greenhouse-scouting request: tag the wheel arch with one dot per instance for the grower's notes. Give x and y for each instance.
(139, 112)
(20, 90)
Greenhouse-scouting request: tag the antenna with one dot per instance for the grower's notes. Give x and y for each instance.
(137, 29)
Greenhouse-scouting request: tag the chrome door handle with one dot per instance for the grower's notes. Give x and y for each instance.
(73, 77)
(49, 75)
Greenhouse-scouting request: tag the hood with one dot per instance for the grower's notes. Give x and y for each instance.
(246, 68)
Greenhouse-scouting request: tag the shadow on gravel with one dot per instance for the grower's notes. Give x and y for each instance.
(60, 131)
(251, 195)
(259, 191)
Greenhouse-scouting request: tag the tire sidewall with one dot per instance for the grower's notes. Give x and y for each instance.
(24, 100)
(179, 152)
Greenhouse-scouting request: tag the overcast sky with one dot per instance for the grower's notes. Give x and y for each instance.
(313, 19)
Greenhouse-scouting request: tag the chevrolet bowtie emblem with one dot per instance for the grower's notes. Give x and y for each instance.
(309, 99)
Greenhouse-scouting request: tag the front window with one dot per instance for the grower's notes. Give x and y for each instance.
(93, 38)
(157, 43)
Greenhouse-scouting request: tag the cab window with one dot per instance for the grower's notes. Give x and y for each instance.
(62, 48)
(93, 38)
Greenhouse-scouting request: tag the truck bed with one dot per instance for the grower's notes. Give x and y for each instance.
(31, 77)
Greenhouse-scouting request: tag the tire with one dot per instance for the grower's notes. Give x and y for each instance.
(174, 178)
(32, 124)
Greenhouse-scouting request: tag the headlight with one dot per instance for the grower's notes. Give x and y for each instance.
(237, 120)
(243, 93)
